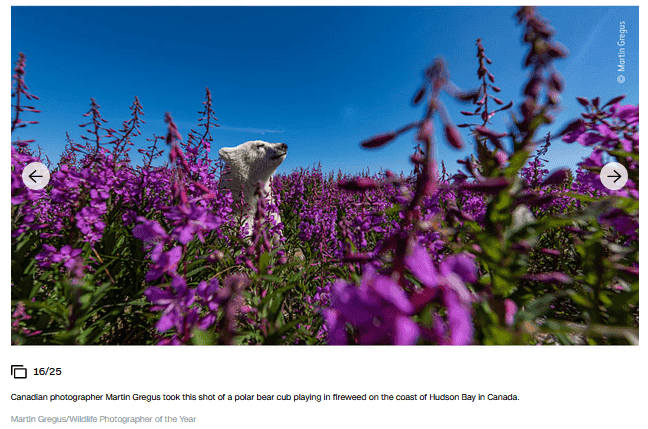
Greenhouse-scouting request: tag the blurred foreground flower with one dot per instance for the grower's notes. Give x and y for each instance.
(379, 312)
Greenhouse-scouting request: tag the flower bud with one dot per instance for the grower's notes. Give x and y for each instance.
(417, 158)
(572, 126)
(556, 178)
(556, 82)
(379, 140)
(453, 136)
(493, 136)
(556, 50)
(425, 131)
(173, 153)
(488, 186)
(419, 96)
(359, 184)
(555, 277)
(553, 98)
(467, 96)
(584, 101)
(615, 100)
(508, 106)
(532, 88)
(215, 256)
(528, 108)
(550, 252)
(501, 157)
(358, 257)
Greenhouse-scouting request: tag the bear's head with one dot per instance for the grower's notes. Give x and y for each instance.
(254, 160)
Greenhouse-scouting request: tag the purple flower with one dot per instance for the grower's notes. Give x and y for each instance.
(447, 285)
(590, 139)
(191, 219)
(19, 315)
(623, 223)
(90, 224)
(510, 309)
(462, 265)
(606, 132)
(44, 257)
(149, 230)
(173, 301)
(628, 113)
(379, 312)
(67, 255)
(575, 130)
(163, 262)
(207, 292)
(420, 264)
(459, 319)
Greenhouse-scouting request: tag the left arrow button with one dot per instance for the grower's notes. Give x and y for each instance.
(33, 176)
(36, 175)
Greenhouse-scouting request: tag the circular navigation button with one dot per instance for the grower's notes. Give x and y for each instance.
(614, 176)
(36, 176)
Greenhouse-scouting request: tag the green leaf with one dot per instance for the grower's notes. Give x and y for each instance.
(538, 307)
(516, 162)
(191, 274)
(264, 260)
(619, 154)
(501, 336)
(579, 299)
(203, 338)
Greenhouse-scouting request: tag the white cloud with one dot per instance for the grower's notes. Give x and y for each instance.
(261, 131)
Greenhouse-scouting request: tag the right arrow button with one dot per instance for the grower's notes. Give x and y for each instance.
(614, 176)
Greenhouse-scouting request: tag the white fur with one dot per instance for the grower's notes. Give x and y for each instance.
(246, 165)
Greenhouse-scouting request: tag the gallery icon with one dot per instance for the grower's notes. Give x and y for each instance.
(18, 371)
(36, 176)
(614, 176)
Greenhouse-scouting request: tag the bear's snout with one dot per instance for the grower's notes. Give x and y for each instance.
(281, 149)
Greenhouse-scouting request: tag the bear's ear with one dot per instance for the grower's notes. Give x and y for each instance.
(225, 152)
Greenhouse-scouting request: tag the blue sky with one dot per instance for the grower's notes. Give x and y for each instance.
(320, 79)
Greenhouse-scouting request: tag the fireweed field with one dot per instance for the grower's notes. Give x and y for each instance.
(500, 252)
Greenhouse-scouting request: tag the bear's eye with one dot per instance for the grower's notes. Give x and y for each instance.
(259, 145)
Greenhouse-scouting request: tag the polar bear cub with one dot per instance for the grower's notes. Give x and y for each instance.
(246, 165)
